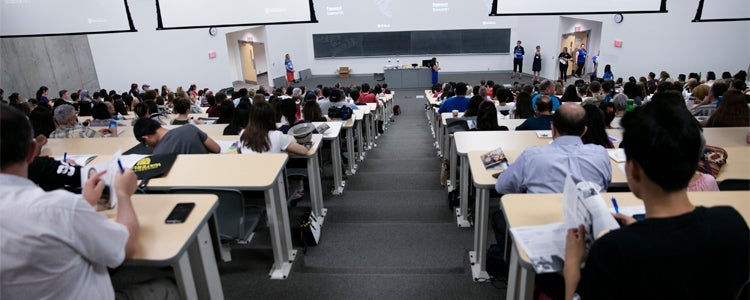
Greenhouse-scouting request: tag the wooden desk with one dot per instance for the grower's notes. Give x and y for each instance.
(369, 121)
(261, 172)
(187, 247)
(538, 209)
(106, 146)
(313, 177)
(738, 164)
(726, 136)
(468, 141)
(332, 135)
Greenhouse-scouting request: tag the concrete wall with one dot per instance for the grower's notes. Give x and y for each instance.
(61, 62)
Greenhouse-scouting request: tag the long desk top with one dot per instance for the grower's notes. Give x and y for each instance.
(538, 209)
(223, 171)
(110, 145)
(160, 243)
(737, 167)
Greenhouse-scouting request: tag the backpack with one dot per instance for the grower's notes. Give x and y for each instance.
(343, 112)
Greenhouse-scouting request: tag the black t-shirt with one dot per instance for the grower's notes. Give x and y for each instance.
(699, 255)
(51, 174)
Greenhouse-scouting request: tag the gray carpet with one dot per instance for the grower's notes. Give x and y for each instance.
(390, 235)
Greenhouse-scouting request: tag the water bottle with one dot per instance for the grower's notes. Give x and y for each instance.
(119, 116)
(344, 114)
(630, 105)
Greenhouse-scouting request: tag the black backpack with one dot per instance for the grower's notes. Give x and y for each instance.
(343, 112)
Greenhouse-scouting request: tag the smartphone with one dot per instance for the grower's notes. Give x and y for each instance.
(112, 124)
(179, 213)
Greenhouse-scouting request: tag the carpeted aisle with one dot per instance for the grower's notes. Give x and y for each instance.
(389, 236)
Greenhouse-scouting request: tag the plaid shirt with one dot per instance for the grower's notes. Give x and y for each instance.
(77, 131)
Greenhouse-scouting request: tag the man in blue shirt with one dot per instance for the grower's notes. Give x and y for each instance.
(517, 59)
(457, 102)
(581, 59)
(546, 88)
(543, 118)
(543, 169)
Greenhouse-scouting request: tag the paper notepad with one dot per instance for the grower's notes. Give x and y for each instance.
(81, 160)
(544, 133)
(618, 155)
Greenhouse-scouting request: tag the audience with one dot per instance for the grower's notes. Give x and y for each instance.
(260, 134)
(546, 88)
(239, 120)
(181, 140)
(595, 128)
(487, 118)
(524, 110)
(182, 108)
(543, 169)
(543, 118)
(662, 144)
(732, 111)
(68, 126)
(457, 102)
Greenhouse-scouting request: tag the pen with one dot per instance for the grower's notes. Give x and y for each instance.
(122, 170)
(614, 202)
(65, 157)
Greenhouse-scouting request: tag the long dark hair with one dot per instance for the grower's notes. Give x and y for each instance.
(472, 108)
(595, 133)
(226, 112)
(311, 112)
(732, 111)
(487, 116)
(524, 110)
(288, 109)
(571, 94)
(260, 123)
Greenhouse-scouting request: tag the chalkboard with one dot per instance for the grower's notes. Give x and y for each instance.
(432, 42)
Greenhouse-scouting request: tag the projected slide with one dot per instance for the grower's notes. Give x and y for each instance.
(55, 17)
(205, 13)
(722, 10)
(557, 7)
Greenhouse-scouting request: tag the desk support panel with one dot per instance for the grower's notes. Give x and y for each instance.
(463, 210)
(281, 239)
(481, 215)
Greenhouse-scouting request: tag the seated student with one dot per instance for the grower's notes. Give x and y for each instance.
(181, 140)
(504, 103)
(239, 120)
(732, 111)
(366, 96)
(543, 118)
(226, 112)
(679, 251)
(472, 108)
(260, 134)
(546, 88)
(100, 114)
(54, 244)
(714, 95)
(214, 110)
(595, 128)
(311, 111)
(182, 108)
(487, 118)
(335, 99)
(154, 113)
(288, 109)
(523, 106)
(457, 102)
(543, 169)
(68, 126)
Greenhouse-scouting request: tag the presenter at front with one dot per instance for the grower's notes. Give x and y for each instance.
(435, 66)
(289, 70)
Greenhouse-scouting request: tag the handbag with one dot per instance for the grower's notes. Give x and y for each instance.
(712, 159)
(309, 230)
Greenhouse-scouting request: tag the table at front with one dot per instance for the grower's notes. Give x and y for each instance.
(262, 172)
(408, 77)
(538, 209)
(332, 135)
(101, 146)
(187, 247)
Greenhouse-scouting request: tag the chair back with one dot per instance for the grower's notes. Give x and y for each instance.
(230, 215)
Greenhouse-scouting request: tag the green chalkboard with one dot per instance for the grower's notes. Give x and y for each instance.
(431, 42)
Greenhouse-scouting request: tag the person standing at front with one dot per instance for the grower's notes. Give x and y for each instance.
(289, 70)
(537, 65)
(564, 58)
(581, 59)
(435, 67)
(517, 59)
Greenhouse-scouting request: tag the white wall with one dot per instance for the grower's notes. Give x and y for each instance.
(651, 42)
(171, 57)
